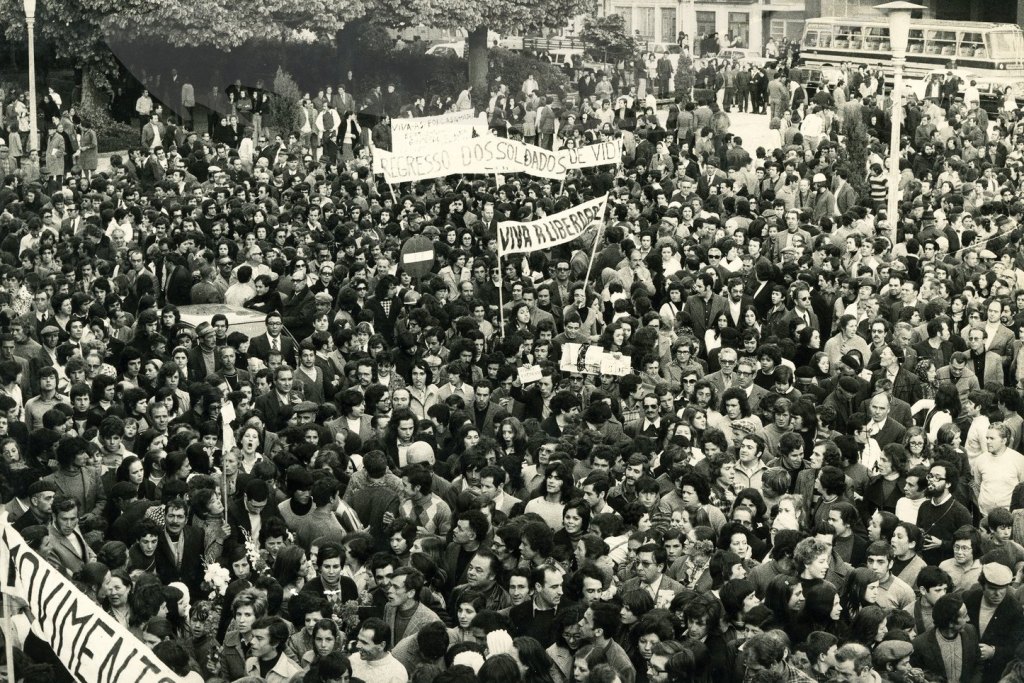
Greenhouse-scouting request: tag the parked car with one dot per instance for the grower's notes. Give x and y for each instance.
(672, 49)
(990, 90)
(566, 58)
(448, 49)
(744, 56)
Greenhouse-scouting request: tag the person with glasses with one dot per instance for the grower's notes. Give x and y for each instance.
(941, 514)
(745, 371)
(725, 377)
(801, 315)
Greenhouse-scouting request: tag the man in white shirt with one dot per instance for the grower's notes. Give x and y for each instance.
(372, 661)
(998, 470)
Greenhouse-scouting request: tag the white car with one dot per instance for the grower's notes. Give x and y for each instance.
(988, 88)
(672, 49)
(744, 56)
(448, 50)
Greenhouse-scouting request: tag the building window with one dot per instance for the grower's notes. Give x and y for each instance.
(705, 23)
(627, 16)
(668, 25)
(739, 28)
(645, 22)
(780, 29)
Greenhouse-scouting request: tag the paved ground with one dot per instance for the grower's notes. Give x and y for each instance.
(752, 128)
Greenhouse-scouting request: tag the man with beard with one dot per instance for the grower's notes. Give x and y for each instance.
(941, 515)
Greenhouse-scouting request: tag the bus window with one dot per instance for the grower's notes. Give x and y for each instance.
(1005, 45)
(876, 38)
(915, 42)
(848, 36)
(940, 42)
(971, 45)
(811, 38)
(825, 37)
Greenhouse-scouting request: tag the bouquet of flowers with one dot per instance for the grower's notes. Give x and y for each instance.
(215, 580)
(204, 617)
(346, 612)
(257, 558)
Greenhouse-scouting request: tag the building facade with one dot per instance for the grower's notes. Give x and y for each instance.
(661, 21)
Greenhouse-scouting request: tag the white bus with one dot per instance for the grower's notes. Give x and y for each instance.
(994, 53)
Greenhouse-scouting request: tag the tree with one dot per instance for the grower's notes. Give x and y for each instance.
(283, 108)
(93, 32)
(504, 16)
(856, 158)
(607, 39)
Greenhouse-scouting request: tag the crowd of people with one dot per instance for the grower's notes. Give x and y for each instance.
(811, 472)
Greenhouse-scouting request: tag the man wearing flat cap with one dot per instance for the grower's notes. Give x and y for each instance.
(998, 618)
(891, 659)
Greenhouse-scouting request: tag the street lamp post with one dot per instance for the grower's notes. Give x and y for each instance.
(30, 21)
(899, 32)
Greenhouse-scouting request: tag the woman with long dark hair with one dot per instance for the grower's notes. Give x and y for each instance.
(533, 661)
(511, 437)
(885, 489)
(784, 596)
(131, 470)
(860, 590)
(822, 612)
(558, 489)
(869, 626)
(809, 344)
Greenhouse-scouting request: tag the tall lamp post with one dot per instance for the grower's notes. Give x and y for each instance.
(899, 32)
(30, 21)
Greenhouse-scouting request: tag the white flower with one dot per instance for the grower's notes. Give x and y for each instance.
(218, 577)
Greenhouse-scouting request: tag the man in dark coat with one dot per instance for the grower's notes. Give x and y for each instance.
(951, 625)
(180, 549)
(273, 338)
(385, 306)
(298, 312)
(273, 403)
(254, 503)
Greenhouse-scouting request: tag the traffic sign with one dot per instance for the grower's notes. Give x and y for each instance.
(417, 257)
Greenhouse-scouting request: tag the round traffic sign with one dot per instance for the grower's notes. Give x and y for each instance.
(417, 256)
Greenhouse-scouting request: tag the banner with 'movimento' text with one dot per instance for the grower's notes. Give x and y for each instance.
(87, 640)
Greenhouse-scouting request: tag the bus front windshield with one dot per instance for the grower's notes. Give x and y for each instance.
(1006, 45)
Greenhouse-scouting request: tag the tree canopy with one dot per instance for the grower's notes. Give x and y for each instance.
(92, 32)
(87, 31)
(607, 39)
(480, 16)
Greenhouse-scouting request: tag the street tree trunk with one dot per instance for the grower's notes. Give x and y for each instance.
(92, 96)
(477, 57)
